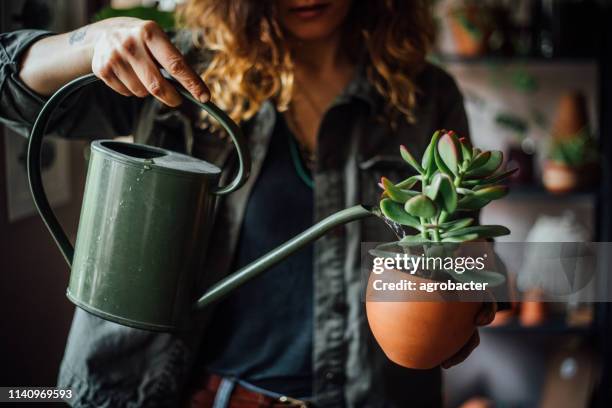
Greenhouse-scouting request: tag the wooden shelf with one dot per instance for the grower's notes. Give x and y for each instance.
(538, 192)
(548, 328)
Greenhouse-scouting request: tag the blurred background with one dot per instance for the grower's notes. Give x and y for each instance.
(535, 75)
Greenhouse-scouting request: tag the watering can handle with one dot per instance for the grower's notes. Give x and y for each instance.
(35, 145)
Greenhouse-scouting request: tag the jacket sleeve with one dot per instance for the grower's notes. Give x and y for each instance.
(96, 111)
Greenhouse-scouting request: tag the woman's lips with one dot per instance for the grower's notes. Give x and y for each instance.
(310, 11)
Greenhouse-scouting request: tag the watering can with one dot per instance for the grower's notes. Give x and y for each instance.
(145, 222)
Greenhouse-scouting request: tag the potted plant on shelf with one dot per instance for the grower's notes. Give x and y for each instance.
(471, 25)
(572, 159)
(454, 180)
(572, 164)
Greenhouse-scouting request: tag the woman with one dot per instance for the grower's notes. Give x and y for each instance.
(325, 91)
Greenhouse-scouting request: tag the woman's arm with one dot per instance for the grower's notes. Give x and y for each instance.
(125, 53)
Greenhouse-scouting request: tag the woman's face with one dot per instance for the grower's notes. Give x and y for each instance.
(310, 20)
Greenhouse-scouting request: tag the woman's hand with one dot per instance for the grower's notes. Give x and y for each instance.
(483, 318)
(128, 54)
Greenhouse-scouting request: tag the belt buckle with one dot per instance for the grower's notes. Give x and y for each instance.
(293, 402)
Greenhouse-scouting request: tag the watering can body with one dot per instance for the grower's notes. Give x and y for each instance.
(146, 212)
(145, 222)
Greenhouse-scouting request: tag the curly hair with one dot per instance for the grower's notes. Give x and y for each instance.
(251, 63)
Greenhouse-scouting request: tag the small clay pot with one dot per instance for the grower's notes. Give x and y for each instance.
(419, 334)
(559, 178)
(533, 310)
(467, 43)
(572, 115)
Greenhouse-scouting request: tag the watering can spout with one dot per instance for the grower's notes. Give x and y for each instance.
(233, 281)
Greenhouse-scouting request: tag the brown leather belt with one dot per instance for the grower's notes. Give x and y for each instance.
(241, 397)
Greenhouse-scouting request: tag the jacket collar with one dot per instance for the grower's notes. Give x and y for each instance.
(361, 89)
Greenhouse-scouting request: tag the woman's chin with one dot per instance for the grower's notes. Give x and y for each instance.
(311, 33)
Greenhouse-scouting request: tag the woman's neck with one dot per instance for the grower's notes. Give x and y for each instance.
(319, 58)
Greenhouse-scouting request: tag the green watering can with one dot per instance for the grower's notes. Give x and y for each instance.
(145, 223)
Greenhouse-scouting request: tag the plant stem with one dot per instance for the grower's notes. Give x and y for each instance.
(424, 228)
(458, 180)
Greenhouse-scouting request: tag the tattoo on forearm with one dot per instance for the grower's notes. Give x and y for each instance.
(77, 36)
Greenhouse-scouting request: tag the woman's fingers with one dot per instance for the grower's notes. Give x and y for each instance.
(166, 54)
(108, 76)
(135, 53)
(130, 80)
(464, 352)
(486, 314)
(128, 57)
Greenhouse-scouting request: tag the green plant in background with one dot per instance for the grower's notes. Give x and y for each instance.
(455, 179)
(165, 19)
(575, 151)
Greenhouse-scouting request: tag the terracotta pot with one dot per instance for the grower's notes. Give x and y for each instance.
(572, 116)
(559, 178)
(469, 43)
(419, 334)
(533, 310)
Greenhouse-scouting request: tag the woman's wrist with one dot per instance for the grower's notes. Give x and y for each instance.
(52, 61)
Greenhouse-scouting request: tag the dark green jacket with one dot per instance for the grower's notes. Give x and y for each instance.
(109, 365)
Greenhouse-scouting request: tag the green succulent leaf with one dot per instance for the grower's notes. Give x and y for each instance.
(461, 238)
(471, 183)
(409, 182)
(483, 231)
(466, 149)
(491, 192)
(496, 178)
(433, 188)
(428, 161)
(471, 202)
(397, 194)
(447, 196)
(420, 206)
(492, 164)
(440, 163)
(449, 152)
(409, 158)
(410, 240)
(456, 224)
(464, 191)
(396, 213)
(479, 160)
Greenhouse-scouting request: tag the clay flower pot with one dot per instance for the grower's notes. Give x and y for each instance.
(470, 31)
(572, 115)
(559, 178)
(419, 334)
(533, 310)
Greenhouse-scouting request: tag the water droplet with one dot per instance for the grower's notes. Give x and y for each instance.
(398, 229)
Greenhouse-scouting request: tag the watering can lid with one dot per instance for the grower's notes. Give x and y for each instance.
(154, 158)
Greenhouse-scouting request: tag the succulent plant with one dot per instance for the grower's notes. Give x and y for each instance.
(454, 179)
